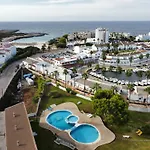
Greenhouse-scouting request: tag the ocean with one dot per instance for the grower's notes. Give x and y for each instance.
(56, 29)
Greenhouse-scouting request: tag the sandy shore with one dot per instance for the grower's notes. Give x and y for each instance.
(23, 45)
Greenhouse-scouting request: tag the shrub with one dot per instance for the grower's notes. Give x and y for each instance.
(68, 90)
(35, 99)
(55, 94)
(73, 92)
(146, 129)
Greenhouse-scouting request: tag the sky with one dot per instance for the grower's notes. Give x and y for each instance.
(74, 10)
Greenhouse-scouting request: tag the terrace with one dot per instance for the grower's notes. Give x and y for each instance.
(106, 135)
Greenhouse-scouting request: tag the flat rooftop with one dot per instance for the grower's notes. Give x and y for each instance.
(19, 134)
(2, 131)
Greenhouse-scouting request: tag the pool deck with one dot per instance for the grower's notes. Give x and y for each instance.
(106, 135)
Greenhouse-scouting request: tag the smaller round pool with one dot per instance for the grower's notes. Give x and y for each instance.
(72, 119)
(85, 134)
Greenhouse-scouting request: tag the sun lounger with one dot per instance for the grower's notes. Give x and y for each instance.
(90, 115)
(126, 136)
(53, 105)
(78, 103)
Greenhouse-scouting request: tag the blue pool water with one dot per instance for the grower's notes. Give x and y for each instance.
(72, 119)
(57, 119)
(85, 134)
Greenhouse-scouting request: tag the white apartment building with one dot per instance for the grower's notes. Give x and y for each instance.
(101, 35)
(124, 59)
(7, 51)
(46, 68)
(143, 37)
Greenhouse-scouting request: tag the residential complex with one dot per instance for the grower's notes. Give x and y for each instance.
(7, 51)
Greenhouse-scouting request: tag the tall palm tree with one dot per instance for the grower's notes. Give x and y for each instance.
(147, 56)
(147, 74)
(139, 74)
(96, 87)
(148, 91)
(65, 72)
(74, 71)
(103, 57)
(114, 89)
(131, 59)
(97, 67)
(55, 74)
(118, 61)
(84, 76)
(130, 87)
(141, 57)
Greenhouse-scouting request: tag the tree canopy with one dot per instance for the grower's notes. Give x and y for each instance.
(111, 107)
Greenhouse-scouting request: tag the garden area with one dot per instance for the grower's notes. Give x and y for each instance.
(53, 95)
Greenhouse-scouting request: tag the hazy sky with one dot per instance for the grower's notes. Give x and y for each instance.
(74, 10)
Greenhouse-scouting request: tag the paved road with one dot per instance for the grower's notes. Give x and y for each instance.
(8, 74)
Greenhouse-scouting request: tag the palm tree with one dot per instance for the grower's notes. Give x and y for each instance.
(84, 76)
(74, 71)
(147, 74)
(147, 56)
(141, 57)
(129, 72)
(43, 47)
(65, 72)
(118, 61)
(139, 74)
(148, 91)
(114, 89)
(96, 87)
(91, 52)
(97, 67)
(55, 74)
(130, 87)
(110, 69)
(89, 64)
(130, 59)
(103, 57)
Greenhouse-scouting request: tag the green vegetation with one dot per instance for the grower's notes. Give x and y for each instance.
(40, 89)
(111, 107)
(119, 70)
(85, 77)
(110, 69)
(103, 69)
(136, 121)
(63, 97)
(59, 42)
(97, 67)
(129, 72)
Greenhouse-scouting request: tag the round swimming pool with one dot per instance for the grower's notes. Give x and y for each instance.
(57, 119)
(85, 133)
(72, 119)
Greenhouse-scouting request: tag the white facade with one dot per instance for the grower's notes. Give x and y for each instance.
(124, 60)
(7, 51)
(48, 69)
(101, 35)
(143, 37)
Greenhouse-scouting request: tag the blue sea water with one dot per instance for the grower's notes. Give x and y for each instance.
(56, 29)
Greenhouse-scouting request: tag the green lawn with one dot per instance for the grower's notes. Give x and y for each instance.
(45, 138)
(63, 97)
